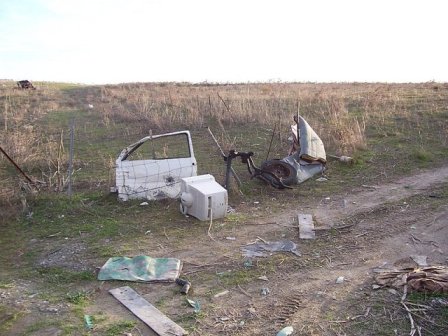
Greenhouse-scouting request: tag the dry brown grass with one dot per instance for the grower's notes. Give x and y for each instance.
(339, 112)
(342, 114)
(24, 141)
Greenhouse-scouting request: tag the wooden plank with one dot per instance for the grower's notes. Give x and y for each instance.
(306, 227)
(146, 312)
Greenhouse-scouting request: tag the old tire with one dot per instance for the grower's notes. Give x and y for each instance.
(281, 169)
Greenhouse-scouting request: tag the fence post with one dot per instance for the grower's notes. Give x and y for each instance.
(70, 161)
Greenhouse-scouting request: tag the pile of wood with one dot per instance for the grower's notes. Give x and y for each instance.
(432, 279)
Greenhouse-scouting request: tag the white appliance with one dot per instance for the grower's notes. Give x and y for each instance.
(202, 197)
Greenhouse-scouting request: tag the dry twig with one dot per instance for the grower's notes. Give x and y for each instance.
(414, 326)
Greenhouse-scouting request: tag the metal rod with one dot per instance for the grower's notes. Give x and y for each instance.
(270, 144)
(15, 165)
(298, 121)
(228, 172)
(238, 181)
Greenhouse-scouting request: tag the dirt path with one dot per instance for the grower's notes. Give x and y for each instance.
(381, 227)
(384, 232)
(371, 197)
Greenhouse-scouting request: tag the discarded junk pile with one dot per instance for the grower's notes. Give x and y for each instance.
(164, 166)
(306, 158)
(25, 84)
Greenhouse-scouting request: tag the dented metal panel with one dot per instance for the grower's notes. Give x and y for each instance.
(152, 167)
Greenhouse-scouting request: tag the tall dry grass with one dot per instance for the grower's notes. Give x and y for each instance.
(33, 149)
(342, 114)
(338, 112)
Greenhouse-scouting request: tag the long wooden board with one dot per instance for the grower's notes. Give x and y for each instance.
(146, 312)
(306, 227)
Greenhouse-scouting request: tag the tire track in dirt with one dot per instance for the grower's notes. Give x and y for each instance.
(327, 215)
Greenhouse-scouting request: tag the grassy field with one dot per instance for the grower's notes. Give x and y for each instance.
(52, 244)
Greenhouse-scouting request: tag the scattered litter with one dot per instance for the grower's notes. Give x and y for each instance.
(265, 291)
(263, 277)
(259, 249)
(54, 235)
(392, 291)
(144, 203)
(369, 186)
(342, 158)
(421, 260)
(141, 268)
(195, 304)
(88, 322)
(321, 179)
(248, 263)
(230, 209)
(244, 292)
(185, 285)
(256, 202)
(376, 286)
(285, 331)
(340, 280)
(148, 232)
(346, 159)
(146, 312)
(252, 310)
(230, 238)
(90, 106)
(306, 226)
(221, 294)
(440, 301)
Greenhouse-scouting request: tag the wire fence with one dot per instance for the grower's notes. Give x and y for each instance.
(76, 158)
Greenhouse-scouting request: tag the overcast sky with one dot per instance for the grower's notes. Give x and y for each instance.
(115, 41)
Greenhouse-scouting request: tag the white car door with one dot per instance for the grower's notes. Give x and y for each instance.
(153, 167)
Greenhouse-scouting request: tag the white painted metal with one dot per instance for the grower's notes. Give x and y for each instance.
(203, 198)
(153, 179)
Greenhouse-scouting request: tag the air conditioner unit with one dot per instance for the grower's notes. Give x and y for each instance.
(202, 197)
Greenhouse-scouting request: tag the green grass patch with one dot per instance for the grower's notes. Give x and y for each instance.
(236, 277)
(78, 298)
(421, 155)
(119, 328)
(62, 276)
(8, 316)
